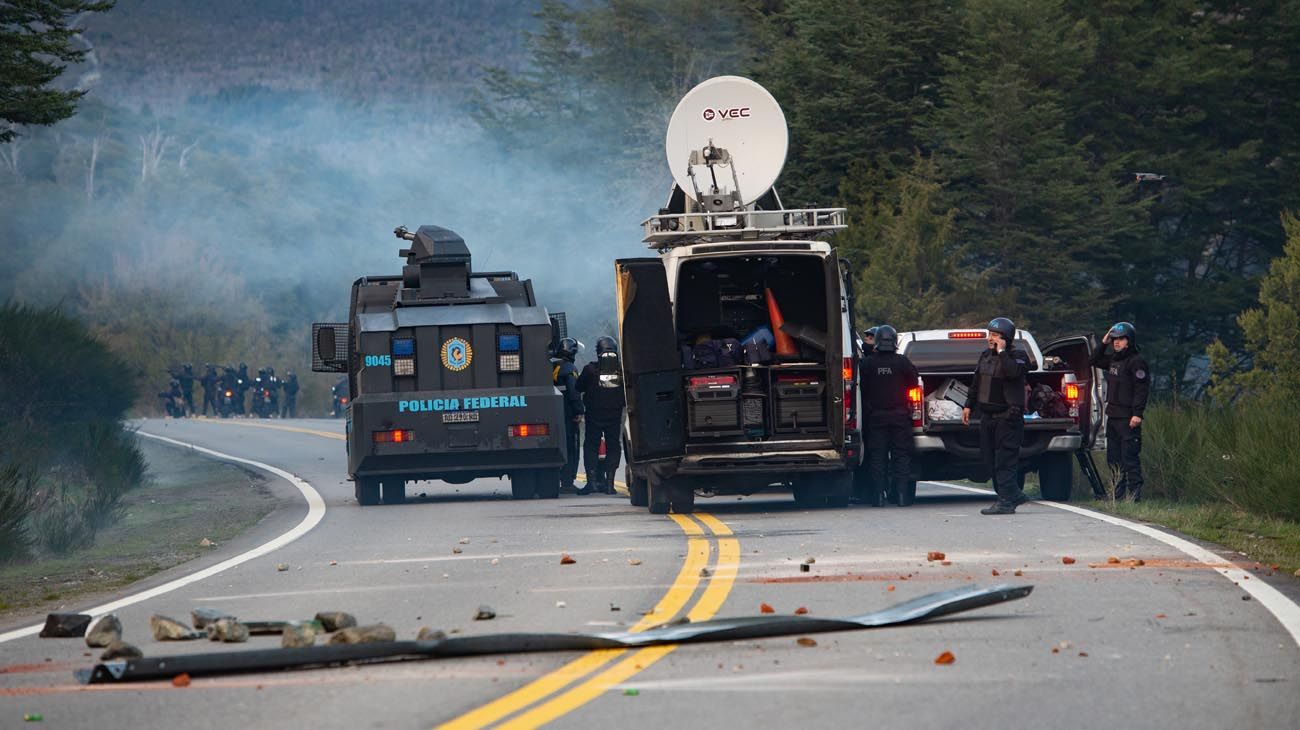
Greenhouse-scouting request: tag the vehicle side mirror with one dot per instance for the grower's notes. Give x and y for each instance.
(325, 355)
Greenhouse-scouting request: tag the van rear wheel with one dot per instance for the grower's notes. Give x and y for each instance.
(1056, 476)
(366, 490)
(683, 497)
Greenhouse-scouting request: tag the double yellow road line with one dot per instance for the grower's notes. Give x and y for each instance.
(708, 542)
(584, 679)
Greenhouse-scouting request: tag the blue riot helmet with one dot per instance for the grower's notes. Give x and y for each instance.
(886, 338)
(1004, 327)
(568, 349)
(1125, 330)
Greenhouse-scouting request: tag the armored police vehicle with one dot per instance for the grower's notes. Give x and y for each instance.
(448, 375)
(739, 353)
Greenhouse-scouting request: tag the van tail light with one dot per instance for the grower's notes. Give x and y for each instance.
(914, 396)
(850, 407)
(524, 430)
(399, 436)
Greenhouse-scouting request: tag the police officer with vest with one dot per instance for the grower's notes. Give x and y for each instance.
(886, 378)
(565, 375)
(601, 385)
(999, 397)
(210, 381)
(289, 409)
(1127, 382)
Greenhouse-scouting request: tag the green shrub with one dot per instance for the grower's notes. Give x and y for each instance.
(1246, 454)
(16, 505)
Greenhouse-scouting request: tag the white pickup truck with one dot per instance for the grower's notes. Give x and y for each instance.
(1056, 428)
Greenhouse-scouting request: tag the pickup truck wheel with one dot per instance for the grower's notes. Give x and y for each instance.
(657, 497)
(367, 491)
(638, 491)
(1056, 477)
(523, 484)
(547, 485)
(682, 497)
(393, 491)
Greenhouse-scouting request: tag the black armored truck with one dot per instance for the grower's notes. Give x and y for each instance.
(448, 375)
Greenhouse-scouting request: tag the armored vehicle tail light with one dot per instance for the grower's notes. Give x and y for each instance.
(404, 366)
(399, 436)
(524, 430)
(403, 348)
(509, 363)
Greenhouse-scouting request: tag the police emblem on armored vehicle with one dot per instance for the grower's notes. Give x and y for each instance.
(457, 354)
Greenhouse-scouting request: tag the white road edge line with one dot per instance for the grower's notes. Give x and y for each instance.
(1286, 611)
(315, 512)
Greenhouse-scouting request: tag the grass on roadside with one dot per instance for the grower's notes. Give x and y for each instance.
(189, 499)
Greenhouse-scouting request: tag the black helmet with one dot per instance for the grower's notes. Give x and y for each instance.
(872, 333)
(1002, 326)
(886, 338)
(1125, 330)
(606, 346)
(568, 348)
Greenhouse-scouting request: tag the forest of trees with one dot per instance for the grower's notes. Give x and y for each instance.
(232, 170)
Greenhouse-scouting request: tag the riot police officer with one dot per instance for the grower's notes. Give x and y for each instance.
(999, 396)
(242, 384)
(289, 409)
(186, 378)
(258, 407)
(886, 378)
(272, 386)
(601, 385)
(210, 383)
(565, 376)
(1127, 382)
(869, 341)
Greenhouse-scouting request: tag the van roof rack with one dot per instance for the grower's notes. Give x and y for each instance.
(669, 230)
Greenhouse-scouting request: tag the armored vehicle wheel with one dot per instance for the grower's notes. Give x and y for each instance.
(548, 483)
(681, 496)
(523, 484)
(638, 491)
(657, 498)
(393, 491)
(1056, 476)
(907, 496)
(367, 491)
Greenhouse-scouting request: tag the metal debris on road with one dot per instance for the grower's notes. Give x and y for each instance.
(65, 625)
(915, 610)
(105, 631)
(485, 613)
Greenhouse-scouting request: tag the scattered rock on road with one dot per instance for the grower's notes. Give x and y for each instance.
(485, 613)
(228, 630)
(332, 621)
(121, 650)
(65, 625)
(282, 567)
(298, 634)
(376, 633)
(567, 559)
(934, 555)
(428, 633)
(106, 631)
(637, 561)
(1067, 560)
(166, 628)
(205, 616)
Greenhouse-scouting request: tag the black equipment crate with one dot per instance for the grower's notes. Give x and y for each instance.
(713, 403)
(799, 401)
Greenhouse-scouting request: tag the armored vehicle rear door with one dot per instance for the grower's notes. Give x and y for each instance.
(652, 371)
(1075, 352)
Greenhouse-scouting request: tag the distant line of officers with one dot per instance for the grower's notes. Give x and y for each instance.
(227, 393)
(998, 399)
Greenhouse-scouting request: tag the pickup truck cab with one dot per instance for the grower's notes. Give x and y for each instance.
(1062, 413)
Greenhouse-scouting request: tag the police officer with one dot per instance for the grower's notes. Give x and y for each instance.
(173, 399)
(565, 375)
(1127, 381)
(258, 406)
(601, 385)
(242, 384)
(186, 378)
(869, 341)
(886, 378)
(272, 385)
(999, 396)
(289, 409)
(210, 383)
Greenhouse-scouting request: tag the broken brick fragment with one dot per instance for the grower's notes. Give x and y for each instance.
(945, 658)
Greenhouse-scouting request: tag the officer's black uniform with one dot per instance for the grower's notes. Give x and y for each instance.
(1128, 380)
(601, 385)
(241, 388)
(289, 409)
(209, 383)
(186, 378)
(886, 378)
(565, 375)
(999, 398)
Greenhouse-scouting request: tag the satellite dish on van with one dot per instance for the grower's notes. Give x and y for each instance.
(727, 122)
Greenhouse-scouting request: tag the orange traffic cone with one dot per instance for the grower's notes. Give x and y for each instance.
(784, 342)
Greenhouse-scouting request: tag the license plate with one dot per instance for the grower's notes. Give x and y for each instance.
(460, 417)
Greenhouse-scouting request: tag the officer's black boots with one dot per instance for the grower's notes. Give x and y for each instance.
(1000, 508)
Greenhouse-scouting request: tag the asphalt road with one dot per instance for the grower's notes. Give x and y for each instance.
(1170, 643)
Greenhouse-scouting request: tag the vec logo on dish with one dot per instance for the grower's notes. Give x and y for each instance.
(735, 112)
